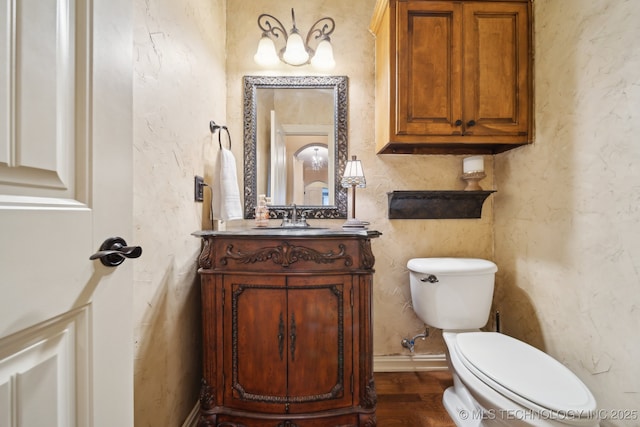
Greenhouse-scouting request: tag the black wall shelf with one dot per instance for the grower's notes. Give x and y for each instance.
(436, 204)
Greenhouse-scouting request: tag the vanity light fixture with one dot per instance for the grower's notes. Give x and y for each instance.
(296, 51)
(353, 177)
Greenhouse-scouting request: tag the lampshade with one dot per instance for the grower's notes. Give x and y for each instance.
(353, 177)
(353, 174)
(295, 53)
(266, 55)
(323, 58)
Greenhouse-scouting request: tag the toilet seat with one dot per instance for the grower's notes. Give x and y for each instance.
(526, 375)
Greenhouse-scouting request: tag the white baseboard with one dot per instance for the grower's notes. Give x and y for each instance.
(192, 419)
(418, 362)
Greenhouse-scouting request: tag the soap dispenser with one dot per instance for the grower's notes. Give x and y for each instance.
(262, 211)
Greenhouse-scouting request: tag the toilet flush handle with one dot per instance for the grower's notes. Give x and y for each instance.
(429, 278)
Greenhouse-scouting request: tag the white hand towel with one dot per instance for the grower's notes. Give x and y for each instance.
(225, 194)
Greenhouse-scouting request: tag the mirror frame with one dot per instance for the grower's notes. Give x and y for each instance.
(339, 85)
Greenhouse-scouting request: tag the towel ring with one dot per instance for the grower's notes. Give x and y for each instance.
(220, 137)
(214, 127)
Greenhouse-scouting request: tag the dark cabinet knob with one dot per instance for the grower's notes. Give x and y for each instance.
(471, 123)
(458, 122)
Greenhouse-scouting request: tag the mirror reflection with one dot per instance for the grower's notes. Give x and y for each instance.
(295, 143)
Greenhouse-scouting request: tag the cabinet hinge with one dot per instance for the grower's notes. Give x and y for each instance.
(351, 297)
(223, 294)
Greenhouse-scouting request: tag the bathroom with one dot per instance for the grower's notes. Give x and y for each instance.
(560, 227)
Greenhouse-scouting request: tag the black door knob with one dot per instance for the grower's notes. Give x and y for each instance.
(114, 251)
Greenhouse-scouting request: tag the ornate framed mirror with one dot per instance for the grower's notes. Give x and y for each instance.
(295, 143)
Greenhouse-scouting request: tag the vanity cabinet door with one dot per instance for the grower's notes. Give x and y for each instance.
(320, 347)
(495, 69)
(429, 84)
(287, 342)
(255, 342)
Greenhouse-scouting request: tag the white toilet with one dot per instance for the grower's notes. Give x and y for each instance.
(498, 380)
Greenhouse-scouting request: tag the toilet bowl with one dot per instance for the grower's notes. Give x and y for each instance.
(498, 380)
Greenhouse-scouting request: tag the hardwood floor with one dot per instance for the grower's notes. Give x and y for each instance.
(412, 399)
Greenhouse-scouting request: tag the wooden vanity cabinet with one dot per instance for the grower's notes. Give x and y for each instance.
(452, 77)
(287, 330)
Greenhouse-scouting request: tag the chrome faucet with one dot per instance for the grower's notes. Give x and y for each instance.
(298, 219)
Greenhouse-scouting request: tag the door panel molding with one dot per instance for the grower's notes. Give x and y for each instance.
(46, 360)
(43, 88)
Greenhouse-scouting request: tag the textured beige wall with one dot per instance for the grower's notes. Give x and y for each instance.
(567, 211)
(179, 85)
(402, 239)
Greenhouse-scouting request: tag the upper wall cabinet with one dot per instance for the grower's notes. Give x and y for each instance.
(452, 77)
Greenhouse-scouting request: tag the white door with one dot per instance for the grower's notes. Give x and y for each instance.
(278, 163)
(297, 179)
(65, 186)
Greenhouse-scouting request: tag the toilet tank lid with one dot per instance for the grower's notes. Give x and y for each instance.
(452, 266)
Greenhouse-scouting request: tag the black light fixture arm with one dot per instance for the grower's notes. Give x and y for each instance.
(272, 29)
(321, 30)
(293, 19)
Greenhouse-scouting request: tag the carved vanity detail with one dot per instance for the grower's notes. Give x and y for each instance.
(287, 328)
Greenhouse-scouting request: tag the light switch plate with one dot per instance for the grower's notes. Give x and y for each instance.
(198, 188)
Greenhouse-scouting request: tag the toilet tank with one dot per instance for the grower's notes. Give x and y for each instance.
(452, 293)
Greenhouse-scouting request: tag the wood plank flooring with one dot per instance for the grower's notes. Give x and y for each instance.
(412, 399)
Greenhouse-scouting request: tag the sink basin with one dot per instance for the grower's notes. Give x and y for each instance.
(290, 228)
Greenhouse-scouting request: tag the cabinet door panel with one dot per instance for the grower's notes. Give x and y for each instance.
(255, 342)
(320, 332)
(495, 68)
(429, 67)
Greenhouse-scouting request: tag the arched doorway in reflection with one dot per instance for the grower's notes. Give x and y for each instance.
(311, 175)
